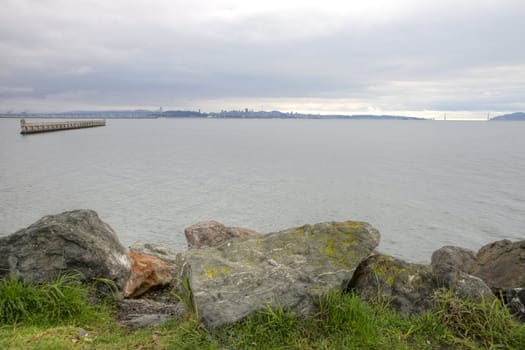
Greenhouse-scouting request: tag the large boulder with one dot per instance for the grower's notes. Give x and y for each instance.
(288, 269)
(213, 233)
(411, 288)
(406, 286)
(72, 241)
(501, 265)
(147, 272)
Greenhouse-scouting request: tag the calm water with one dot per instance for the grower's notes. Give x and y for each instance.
(422, 184)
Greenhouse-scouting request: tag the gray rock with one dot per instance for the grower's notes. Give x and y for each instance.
(461, 258)
(213, 233)
(501, 265)
(162, 252)
(144, 321)
(288, 269)
(142, 313)
(515, 301)
(411, 288)
(465, 286)
(72, 241)
(408, 287)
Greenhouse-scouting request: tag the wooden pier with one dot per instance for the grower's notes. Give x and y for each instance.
(36, 127)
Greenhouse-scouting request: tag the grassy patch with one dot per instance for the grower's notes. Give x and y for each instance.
(486, 324)
(344, 322)
(58, 316)
(63, 301)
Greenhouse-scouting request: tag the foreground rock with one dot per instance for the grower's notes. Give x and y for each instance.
(515, 301)
(501, 264)
(288, 269)
(213, 233)
(175, 260)
(72, 241)
(460, 258)
(145, 312)
(411, 288)
(147, 272)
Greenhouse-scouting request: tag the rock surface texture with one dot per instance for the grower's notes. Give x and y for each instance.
(174, 258)
(141, 313)
(461, 258)
(288, 269)
(72, 241)
(235, 272)
(164, 253)
(213, 233)
(147, 272)
(411, 287)
(515, 301)
(501, 264)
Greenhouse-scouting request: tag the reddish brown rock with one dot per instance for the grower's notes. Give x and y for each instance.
(213, 233)
(147, 272)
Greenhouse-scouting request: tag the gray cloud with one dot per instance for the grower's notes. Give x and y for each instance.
(382, 55)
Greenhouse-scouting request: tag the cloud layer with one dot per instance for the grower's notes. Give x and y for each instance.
(310, 56)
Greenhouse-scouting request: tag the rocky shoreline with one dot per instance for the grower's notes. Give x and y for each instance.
(228, 273)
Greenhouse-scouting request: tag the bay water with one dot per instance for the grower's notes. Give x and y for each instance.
(422, 184)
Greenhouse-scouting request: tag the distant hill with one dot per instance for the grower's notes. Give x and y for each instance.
(377, 117)
(117, 114)
(512, 116)
(180, 114)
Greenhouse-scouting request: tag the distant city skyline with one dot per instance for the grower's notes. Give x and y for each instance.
(416, 58)
(253, 113)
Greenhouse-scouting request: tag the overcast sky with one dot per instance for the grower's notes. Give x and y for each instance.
(375, 56)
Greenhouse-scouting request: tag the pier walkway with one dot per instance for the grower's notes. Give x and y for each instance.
(36, 127)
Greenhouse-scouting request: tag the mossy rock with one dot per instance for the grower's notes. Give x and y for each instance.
(288, 269)
(411, 288)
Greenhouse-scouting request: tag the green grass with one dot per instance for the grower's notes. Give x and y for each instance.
(344, 322)
(48, 317)
(61, 302)
(486, 324)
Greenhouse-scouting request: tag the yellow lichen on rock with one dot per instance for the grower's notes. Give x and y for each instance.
(211, 273)
(329, 248)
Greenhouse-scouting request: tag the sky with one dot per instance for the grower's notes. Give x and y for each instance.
(423, 58)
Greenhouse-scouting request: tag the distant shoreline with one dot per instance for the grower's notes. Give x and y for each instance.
(199, 115)
(245, 114)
